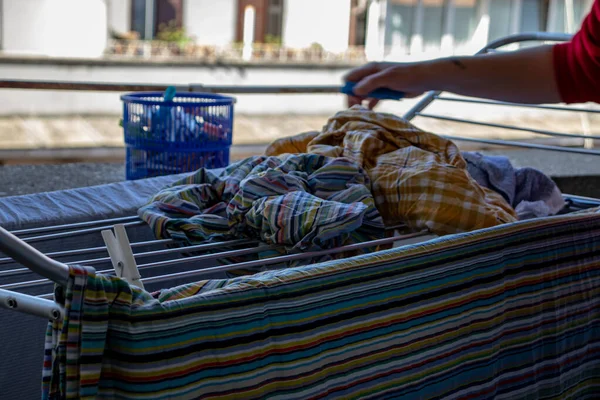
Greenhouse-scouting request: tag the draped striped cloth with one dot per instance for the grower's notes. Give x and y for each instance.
(305, 202)
(506, 312)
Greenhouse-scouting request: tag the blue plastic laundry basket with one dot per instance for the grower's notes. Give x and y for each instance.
(192, 131)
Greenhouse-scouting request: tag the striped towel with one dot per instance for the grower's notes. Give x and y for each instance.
(304, 202)
(510, 312)
(418, 178)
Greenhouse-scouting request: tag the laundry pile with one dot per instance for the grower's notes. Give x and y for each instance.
(364, 170)
(304, 202)
(418, 178)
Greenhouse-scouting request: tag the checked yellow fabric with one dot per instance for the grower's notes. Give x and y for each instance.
(418, 178)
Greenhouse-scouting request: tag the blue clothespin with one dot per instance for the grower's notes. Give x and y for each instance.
(169, 94)
(381, 94)
(163, 112)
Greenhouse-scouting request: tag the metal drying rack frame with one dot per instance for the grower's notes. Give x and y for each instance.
(18, 248)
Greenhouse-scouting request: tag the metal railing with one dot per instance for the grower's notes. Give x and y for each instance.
(416, 111)
(132, 87)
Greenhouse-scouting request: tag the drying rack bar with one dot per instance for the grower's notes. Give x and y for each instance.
(502, 126)
(59, 273)
(592, 202)
(38, 306)
(577, 150)
(185, 249)
(267, 261)
(52, 236)
(206, 246)
(263, 262)
(204, 257)
(276, 260)
(74, 225)
(92, 250)
(548, 37)
(504, 103)
(30, 257)
(577, 202)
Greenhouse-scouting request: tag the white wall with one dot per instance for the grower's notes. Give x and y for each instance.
(68, 28)
(326, 22)
(212, 22)
(119, 15)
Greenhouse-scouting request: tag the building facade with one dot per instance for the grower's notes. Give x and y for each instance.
(423, 28)
(293, 23)
(386, 29)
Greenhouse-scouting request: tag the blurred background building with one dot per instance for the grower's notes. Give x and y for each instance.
(201, 28)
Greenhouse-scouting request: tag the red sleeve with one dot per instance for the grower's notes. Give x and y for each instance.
(577, 63)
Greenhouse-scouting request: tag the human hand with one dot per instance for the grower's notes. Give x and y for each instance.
(372, 76)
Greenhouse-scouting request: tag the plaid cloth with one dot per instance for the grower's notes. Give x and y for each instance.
(418, 178)
(305, 202)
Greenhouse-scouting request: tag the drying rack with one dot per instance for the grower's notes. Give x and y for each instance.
(125, 260)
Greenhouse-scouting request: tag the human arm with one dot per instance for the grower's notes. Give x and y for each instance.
(525, 76)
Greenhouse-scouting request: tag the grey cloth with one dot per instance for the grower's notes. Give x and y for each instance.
(75, 205)
(530, 192)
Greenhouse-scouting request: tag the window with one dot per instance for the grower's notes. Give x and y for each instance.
(433, 24)
(559, 20)
(401, 24)
(140, 13)
(274, 18)
(534, 15)
(581, 8)
(1, 25)
(502, 18)
(147, 16)
(465, 26)
(415, 26)
(268, 25)
(168, 12)
(466, 18)
(358, 23)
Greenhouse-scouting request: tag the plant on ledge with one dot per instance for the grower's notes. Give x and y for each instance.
(273, 40)
(174, 34)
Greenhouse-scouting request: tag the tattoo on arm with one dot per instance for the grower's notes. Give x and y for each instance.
(457, 62)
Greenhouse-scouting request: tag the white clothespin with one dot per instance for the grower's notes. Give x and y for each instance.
(121, 255)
